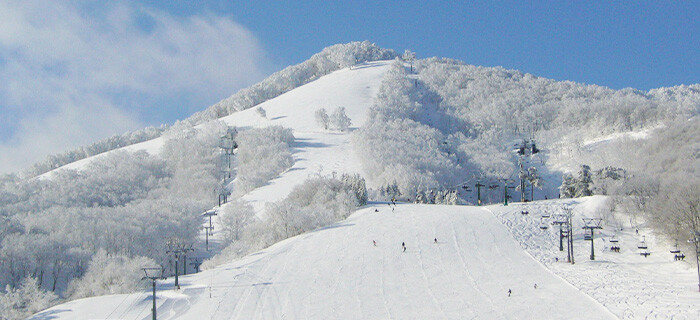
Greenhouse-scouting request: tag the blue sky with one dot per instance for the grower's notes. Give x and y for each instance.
(67, 66)
(640, 44)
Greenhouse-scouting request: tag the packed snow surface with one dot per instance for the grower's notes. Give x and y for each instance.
(338, 273)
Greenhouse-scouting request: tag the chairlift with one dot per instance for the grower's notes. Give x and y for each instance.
(546, 216)
(524, 212)
(543, 225)
(615, 248)
(614, 239)
(675, 250)
(587, 237)
(643, 244)
(645, 253)
(493, 186)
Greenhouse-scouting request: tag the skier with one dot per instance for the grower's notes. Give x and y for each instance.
(376, 210)
(535, 286)
(435, 240)
(509, 292)
(374, 242)
(403, 244)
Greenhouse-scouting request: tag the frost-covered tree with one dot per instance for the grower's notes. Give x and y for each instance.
(19, 303)
(535, 181)
(356, 184)
(339, 120)
(322, 118)
(584, 183)
(263, 153)
(110, 274)
(568, 186)
(234, 218)
(261, 112)
(409, 56)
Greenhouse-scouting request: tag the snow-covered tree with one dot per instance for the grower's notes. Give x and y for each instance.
(261, 112)
(584, 183)
(110, 274)
(263, 153)
(568, 186)
(234, 218)
(19, 303)
(322, 118)
(339, 120)
(535, 181)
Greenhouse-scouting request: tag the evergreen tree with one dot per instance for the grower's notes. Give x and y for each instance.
(584, 183)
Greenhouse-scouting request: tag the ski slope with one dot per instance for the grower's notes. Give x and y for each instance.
(628, 284)
(315, 150)
(337, 273)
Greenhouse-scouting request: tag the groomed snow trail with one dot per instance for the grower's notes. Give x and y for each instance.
(629, 285)
(337, 273)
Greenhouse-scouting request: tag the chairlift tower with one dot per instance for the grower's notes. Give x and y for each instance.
(696, 241)
(207, 231)
(569, 214)
(227, 144)
(590, 225)
(176, 248)
(505, 192)
(478, 192)
(560, 220)
(153, 273)
(527, 148)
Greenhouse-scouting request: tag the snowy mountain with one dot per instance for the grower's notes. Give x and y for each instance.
(295, 239)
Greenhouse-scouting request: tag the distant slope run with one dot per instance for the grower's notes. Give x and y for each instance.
(336, 272)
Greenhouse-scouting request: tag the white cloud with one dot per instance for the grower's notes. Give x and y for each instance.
(74, 72)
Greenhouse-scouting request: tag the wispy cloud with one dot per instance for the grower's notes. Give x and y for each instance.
(75, 72)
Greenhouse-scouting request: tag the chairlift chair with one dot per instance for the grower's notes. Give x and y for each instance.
(546, 216)
(524, 212)
(587, 237)
(643, 244)
(675, 250)
(613, 239)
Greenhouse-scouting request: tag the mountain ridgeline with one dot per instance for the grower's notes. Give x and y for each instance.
(436, 127)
